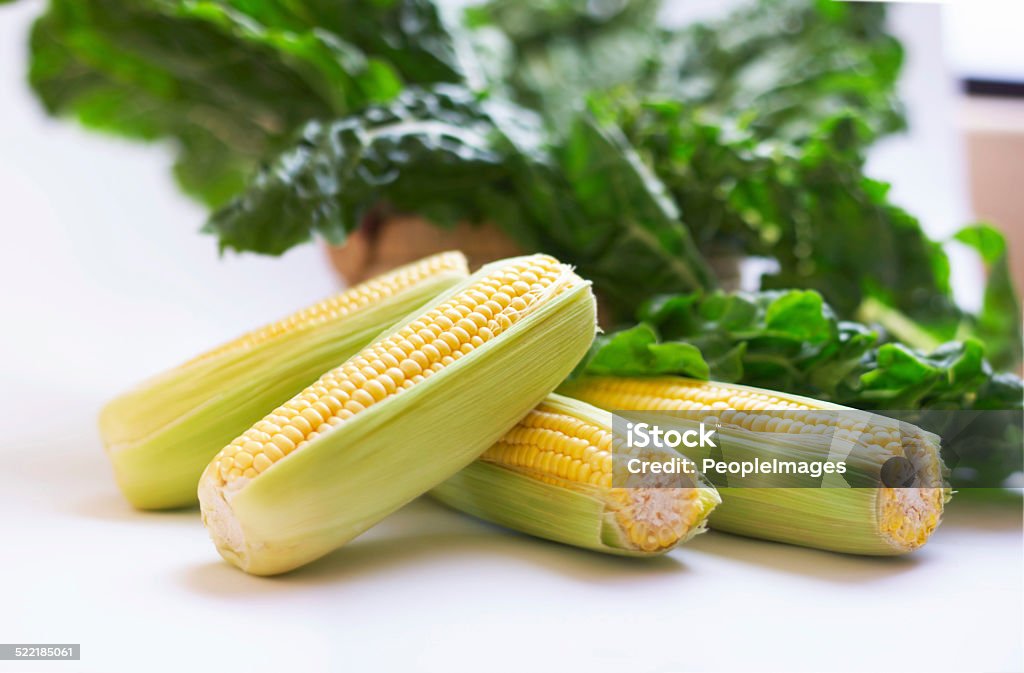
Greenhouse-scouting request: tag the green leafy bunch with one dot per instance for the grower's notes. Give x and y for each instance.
(638, 151)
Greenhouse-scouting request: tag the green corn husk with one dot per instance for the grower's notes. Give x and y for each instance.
(161, 435)
(852, 513)
(517, 484)
(271, 509)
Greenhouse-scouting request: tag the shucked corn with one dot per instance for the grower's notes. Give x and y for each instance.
(405, 413)
(399, 417)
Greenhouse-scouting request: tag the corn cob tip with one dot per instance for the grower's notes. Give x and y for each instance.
(656, 519)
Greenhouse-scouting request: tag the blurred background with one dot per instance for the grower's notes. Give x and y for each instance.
(987, 59)
(963, 85)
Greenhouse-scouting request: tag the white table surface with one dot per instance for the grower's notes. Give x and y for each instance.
(104, 281)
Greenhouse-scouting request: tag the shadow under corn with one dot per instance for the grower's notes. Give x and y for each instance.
(424, 532)
(1001, 514)
(822, 565)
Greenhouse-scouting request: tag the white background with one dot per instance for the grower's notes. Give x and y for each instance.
(983, 39)
(104, 280)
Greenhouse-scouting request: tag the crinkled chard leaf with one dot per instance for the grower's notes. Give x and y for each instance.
(447, 153)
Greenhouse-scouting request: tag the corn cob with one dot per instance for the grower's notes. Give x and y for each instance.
(877, 520)
(161, 435)
(399, 418)
(551, 476)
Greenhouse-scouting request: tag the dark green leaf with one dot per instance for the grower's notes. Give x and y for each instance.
(563, 50)
(446, 153)
(785, 66)
(424, 149)
(229, 82)
(806, 205)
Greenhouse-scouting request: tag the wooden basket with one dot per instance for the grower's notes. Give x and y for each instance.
(400, 239)
(393, 240)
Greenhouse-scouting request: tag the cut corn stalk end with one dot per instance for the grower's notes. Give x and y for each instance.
(908, 516)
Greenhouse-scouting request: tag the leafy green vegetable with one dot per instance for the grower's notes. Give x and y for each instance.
(792, 341)
(636, 352)
(757, 123)
(426, 149)
(451, 155)
(586, 130)
(561, 51)
(606, 212)
(786, 66)
(782, 66)
(540, 22)
(806, 205)
(229, 82)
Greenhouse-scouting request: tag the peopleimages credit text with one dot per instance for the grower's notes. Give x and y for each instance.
(644, 435)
